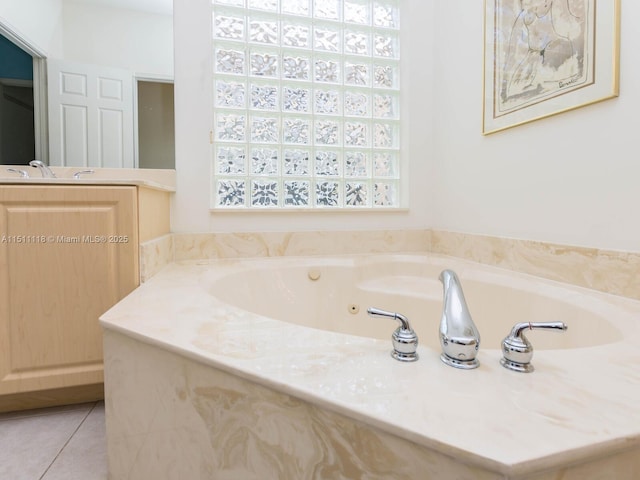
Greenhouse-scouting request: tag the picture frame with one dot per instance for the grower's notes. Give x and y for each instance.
(545, 57)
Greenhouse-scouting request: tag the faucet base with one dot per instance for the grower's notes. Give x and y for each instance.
(404, 357)
(516, 366)
(463, 364)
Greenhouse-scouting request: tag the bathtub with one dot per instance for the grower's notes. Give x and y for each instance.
(270, 368)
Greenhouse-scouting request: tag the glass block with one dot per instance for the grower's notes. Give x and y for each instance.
(264, 193)
(296, 162)
(228, 27)
(264, 97)
(356, 104)
(327, 194)
(230, 127)
(356, 194)
(263, 31)
(383, 76)
(357, 11)
(231, 160)
(326, 9)
(229, 61)
(356, 73)
(236, 3)
(356, 43)
(385, 15)
(230, 94)
(296, 130)
(327, 163)
(327, 71)
(295, 67)
(355, 164)
(269, 5)
(295, 35)
(355, 134)
(296, 193)
(264, 130)
(296, 7)
(384, 194)
(385, 46)
(327, 101)
(384, 164)
(295, 99)
(326, 132)
(384, 106)
(264, 161)
(383, 135)
(231, 193)
(326, 39)
(264, 64)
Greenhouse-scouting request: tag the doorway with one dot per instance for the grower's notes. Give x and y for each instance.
(17, 125)
(156, 126)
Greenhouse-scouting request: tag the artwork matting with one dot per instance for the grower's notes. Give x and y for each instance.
(544, 57)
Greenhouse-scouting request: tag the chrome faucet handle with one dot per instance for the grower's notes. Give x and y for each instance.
(459, 336)
(517, 349)
(76, 176)
(404, 339)
(22, 173)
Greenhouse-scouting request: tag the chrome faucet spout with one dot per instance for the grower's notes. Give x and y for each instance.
(459, 336)
(45, 171)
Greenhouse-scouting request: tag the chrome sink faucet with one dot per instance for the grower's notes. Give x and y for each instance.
(45, 171)
(459, 336)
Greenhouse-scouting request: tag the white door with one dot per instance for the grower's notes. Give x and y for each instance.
(90, 115)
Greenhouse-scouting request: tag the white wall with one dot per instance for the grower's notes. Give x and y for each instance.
(39, 22)
(573, 178)
(193, 101)
(140, 42)
(91, 33)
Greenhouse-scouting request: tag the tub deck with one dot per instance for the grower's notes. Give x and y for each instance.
(578, 414)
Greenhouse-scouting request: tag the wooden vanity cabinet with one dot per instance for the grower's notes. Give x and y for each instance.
(67, 254)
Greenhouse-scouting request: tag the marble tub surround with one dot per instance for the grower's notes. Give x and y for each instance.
(604, 270)
(159, 252)
(275, 244)
(161, 179)
(187, 376)
(155, 254)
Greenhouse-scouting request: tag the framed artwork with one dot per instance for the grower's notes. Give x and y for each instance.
(543, 57)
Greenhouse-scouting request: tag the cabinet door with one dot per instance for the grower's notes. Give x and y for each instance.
(67, 254)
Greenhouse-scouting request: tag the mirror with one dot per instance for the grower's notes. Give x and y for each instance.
(132, 36)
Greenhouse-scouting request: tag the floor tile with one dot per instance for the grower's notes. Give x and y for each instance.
(85, 456)
(30, 441)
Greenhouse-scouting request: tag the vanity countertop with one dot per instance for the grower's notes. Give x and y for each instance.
(158, 179)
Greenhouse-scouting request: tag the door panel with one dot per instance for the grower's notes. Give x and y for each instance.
(102, 136)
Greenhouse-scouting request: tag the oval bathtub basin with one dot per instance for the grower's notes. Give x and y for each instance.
(334, 294)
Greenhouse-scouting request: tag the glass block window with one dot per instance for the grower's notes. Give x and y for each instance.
(306, 104)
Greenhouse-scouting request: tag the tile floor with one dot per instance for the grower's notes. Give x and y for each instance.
(59, 443)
